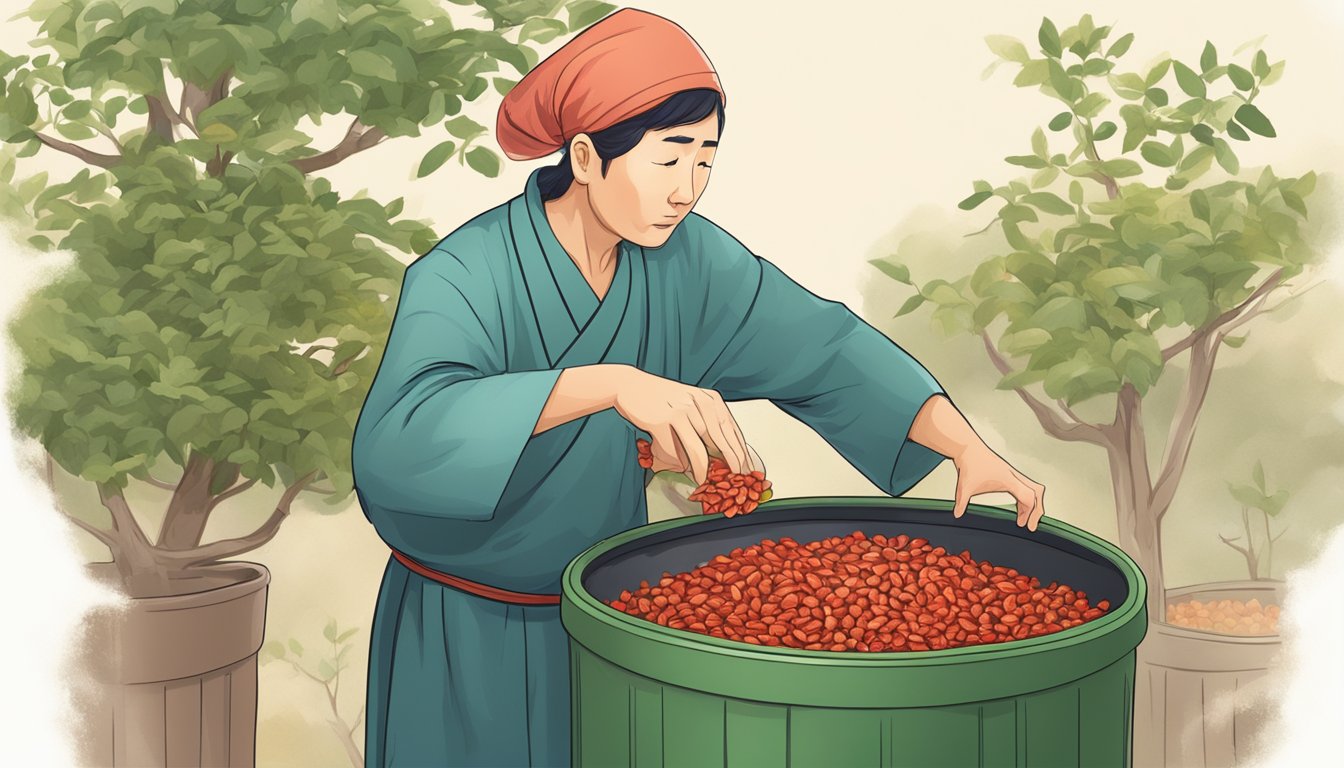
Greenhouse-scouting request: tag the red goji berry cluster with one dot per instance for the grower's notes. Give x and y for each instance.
(723, 491)
(857, 593)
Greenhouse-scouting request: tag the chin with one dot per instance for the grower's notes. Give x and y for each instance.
(653, 237)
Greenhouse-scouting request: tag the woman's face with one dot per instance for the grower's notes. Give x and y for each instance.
(650, 189)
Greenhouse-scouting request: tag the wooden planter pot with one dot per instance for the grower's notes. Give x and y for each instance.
(1198, 694)
(173, 680)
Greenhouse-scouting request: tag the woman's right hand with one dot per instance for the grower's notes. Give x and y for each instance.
(686, 423)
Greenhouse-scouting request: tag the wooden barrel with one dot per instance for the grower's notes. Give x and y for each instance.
(1200, 697)
(173, 679)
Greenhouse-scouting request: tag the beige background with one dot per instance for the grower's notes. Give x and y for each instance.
(849, 128)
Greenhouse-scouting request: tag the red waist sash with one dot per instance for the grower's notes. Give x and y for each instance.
(476, 588)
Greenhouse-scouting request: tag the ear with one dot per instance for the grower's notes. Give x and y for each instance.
(583, 160)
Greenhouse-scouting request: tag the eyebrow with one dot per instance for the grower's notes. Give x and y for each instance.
(688, 140)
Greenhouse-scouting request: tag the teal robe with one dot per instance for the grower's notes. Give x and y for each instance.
(447, 470)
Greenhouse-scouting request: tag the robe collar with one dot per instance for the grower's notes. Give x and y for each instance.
(576, 328)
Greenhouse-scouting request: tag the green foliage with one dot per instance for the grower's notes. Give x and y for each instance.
(226, 300)
(1094, 277)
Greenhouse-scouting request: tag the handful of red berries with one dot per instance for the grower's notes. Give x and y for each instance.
(724, 490)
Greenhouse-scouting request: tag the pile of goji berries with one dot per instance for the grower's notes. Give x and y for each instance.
(723, 491)
(857, 593)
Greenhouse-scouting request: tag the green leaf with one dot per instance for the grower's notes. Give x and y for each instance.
(1076, 192)
(1199, 204)
(329, 631)
(484, 161)
(1247, 496)
(326, 671)
(582, 13)
(1158, 72)
(435, 158)
(1048, 36)
(1234, 341)
(1049, 202)
(464, 127)
(1061, 121)
(1236, 131)
(1026, 161)
(1104, 131)
(1157, 153)
(1190, 82)
(1250, 116)
(503, 85)
(1120, 46)
(1008, 48)
(1157, 95)
(1275, 72)
(1258, 474)
(541, 29)
(1202, 133)
(1044, 177)
(1209, 58)
(1121, 168)
(1274, 504)
(974, 200)
(1034, 72)
(295, 647)
(898, 272)
(1060, 312)
(341, 638)
(1261, 65)
(1222, 151)
(1294, 201)
(1092, 104)
(1243, 80)
(910, 305)
(1038, 145)
(273, 650)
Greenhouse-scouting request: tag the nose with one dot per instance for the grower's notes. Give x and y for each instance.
(684, 191)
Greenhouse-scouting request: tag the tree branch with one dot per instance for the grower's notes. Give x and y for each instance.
(154, 481)
(1061, 427)
(218, 550)
(358, 137)
(1229, 543)
(1229, 316)
(89, 156)
(230, 493)
(97, 533)
(1203, 352)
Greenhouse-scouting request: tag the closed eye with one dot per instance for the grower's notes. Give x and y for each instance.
(674, 162)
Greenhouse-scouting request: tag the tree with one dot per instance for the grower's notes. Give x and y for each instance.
(227, 307)
(1111, 278)
(1268, 505)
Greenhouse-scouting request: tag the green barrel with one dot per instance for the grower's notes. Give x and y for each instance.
(646, 695)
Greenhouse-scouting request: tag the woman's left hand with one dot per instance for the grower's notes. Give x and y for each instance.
(981, 470)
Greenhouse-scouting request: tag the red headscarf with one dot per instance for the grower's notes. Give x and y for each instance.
(619, 67)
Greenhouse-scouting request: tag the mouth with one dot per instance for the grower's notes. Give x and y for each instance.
(665, 226)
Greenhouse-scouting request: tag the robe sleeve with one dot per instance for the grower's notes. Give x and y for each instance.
(758, 334)
(444, 425)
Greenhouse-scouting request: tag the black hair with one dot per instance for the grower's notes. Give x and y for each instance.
(681, 108)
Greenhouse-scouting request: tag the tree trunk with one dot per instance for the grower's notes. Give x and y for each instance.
(189, 509)
(1138, 522)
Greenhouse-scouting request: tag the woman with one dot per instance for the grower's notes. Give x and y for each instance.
(533, 346)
